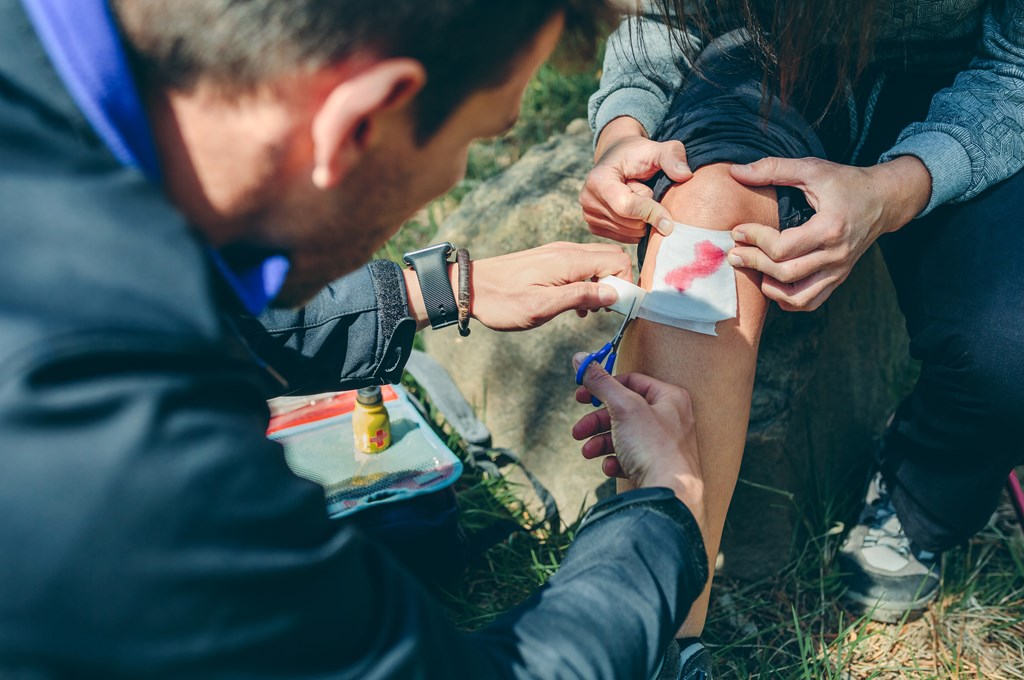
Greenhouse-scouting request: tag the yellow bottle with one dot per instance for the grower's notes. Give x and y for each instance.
(370, 423)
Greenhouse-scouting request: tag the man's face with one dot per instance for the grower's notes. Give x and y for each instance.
(344, 226)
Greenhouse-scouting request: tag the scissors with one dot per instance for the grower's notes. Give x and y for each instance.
(610, 351)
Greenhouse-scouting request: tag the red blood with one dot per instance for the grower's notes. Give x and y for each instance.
(709, 258)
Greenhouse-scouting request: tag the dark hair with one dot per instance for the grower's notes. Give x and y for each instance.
(464, 45)
(800, 41)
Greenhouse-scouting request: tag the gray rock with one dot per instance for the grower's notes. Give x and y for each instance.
(522, 383)
(825, 383)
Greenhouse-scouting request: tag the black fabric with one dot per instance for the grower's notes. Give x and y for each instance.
(958, 434)
(718, 116)
(150, 529)
(356, 332)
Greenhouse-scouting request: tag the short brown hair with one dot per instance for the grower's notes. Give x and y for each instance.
(464, 45)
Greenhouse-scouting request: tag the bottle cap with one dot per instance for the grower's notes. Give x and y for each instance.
(370, 396)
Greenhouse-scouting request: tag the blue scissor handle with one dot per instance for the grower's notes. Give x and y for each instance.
(598, 357)
(610, 364)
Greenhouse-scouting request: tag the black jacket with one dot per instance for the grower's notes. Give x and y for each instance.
(148, 527)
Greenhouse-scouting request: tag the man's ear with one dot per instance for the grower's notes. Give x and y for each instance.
(344, 125)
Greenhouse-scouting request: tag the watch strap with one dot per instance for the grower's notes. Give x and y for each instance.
(431, 267)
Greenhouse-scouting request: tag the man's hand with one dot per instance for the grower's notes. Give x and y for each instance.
(616, 203)
(803, 265)
(645, 431)
(523, 290)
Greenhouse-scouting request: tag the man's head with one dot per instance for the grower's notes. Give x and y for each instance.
(318, 126)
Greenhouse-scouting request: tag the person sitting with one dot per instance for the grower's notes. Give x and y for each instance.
(810, 131)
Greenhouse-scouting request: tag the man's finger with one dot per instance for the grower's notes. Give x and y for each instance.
(607, 220)
(788, 172)
(592, 423)
(582, 395)
(597, 446)
(611, 467)
(584, 266)
(616, 230)
(582, 295)
(617, 397)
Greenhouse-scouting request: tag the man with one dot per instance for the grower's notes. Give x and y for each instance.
(255, 152)
(740, 111)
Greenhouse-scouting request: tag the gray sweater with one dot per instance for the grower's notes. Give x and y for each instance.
(973, 136)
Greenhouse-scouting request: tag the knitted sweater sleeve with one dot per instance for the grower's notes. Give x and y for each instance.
(973, 136)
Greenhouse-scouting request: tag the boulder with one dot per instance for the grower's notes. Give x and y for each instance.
(825, 384)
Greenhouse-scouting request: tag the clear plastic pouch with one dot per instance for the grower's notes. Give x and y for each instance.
(316, 433)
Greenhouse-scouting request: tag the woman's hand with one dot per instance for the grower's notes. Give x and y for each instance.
(616, 203)
(803, 265)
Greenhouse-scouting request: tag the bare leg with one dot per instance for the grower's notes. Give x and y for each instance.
(718, 371)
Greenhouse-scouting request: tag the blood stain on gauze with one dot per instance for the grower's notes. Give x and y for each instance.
(694, 287)
(709, 258)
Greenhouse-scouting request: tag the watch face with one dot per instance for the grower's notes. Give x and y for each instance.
(444, 249)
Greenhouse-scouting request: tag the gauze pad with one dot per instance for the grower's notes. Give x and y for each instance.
(694, 287)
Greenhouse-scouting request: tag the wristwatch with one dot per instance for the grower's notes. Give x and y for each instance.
(431, 267)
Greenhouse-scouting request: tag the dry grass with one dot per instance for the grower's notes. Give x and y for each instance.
(794, 627)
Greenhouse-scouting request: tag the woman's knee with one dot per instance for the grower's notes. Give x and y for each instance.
(712, 199)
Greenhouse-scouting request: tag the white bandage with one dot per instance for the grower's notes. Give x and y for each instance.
(629, 295)
(694, 287)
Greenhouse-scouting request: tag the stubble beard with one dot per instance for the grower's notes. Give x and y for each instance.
(366, 213)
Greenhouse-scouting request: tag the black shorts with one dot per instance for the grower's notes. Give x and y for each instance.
(720, 117)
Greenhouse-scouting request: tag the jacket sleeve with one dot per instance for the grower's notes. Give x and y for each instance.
(626, 585)
(356, 332)
(974, 134)
(177, 543)
(644, 66)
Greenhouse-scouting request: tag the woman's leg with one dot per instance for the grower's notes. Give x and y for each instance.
(718, 371)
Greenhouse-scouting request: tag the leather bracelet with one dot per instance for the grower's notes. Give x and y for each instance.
(462, 260)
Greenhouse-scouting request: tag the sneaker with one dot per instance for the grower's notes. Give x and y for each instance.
(885, 577)
(685, 659)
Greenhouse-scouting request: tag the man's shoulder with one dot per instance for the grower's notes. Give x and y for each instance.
(88, 247)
